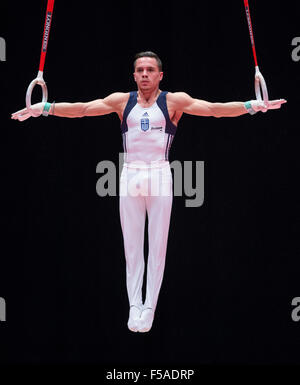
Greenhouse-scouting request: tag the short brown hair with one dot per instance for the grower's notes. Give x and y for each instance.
(148, 54)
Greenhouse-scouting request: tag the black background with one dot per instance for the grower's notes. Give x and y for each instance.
(232, 264)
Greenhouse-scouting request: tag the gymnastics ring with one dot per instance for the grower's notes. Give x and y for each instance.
(260, 85)
(39, 80)
(259, 81)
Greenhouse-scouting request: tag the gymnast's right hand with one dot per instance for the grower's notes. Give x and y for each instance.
(35, 110)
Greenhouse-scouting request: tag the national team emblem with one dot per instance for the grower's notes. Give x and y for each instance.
(145, 124)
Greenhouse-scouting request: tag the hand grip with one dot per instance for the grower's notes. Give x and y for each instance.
(260, 85)
(40, 81)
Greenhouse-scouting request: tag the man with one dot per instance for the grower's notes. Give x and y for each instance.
(149, 119)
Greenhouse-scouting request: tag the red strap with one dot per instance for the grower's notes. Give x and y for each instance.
(250, 30)
(47, 25)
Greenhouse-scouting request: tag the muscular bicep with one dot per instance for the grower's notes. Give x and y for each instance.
(199, 107)
(112, 103)
(185, 103)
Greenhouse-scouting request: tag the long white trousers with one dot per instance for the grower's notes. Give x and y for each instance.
(145, 190)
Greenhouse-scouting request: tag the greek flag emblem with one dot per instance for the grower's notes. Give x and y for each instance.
(145, 124)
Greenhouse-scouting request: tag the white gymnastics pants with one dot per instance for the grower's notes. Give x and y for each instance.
(145, 190)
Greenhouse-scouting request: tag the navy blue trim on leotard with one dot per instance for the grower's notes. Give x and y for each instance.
(132, 101)
(170, 127)
(162, 104)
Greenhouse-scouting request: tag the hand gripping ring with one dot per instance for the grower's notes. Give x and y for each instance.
(260, 85)
(41, 82)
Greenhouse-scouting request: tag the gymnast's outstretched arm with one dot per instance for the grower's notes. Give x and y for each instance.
(182, 102)
(112, 103)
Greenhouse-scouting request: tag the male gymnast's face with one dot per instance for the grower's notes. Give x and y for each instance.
(147, 74)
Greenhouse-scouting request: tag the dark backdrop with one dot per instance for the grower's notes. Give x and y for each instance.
(232, 265)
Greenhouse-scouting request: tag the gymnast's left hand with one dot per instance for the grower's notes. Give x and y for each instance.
(265, 106)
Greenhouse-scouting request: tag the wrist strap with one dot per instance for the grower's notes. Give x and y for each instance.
(52, 109)
(46, 109)
(249, 108)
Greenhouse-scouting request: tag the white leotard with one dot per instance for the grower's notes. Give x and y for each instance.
(147, 132)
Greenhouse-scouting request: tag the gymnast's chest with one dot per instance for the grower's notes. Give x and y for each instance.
(146, 120)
